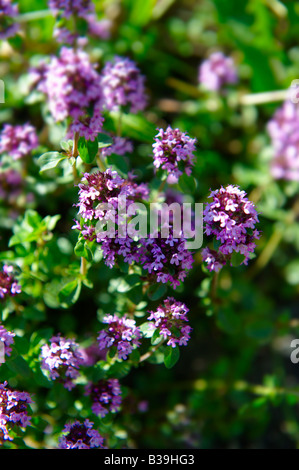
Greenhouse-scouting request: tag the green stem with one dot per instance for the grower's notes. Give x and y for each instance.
(83, 267)
(268, 251)
(273, 242)
(151, 352)
(263, 97)
(162, 186)
(32, 16)
(159, 191)
(214, 286)
(100, 163)
(75, 155)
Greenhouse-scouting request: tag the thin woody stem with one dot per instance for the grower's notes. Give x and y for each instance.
(83, 267)
(264, 97)
(75, 155)
(32, 16)
(214, 285)
(151, 352)
(273, 242)
(100, 163)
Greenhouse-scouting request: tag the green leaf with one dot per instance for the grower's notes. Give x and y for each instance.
(82, 250)
(136, 126)
(51, 221)
(87, 149)
(187, 183)
(32, 313)
(104, 141)
(97, 372)
(156, 291)
(119, 370)
(156, 338)
(134, 357)
(118, 163)
(19, 366)
(171, 356)
(128, 283)
(40, 378)
(260, 330)
(141, 11)
(135, 295)
(70, 293)
(147, 329)
(21, 344)
(50, 160)
(236, 259)
(32, 219)
(66, 145)
(122, 265)
(228, 321)
(33, 228)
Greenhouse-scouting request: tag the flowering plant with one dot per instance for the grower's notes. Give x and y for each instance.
(149, 224)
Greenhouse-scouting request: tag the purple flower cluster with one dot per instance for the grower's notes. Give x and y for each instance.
(8, 12)
(7, 338)
(99, 188)
(123, 86)
(217, 71)
(110, 189)
(215, 259)
(165, 259)
(105, 396)
(13, 410)
(231, 219)
(114, 249)
(284, 134)
(83, 9)
(173, 152)
(64, 35)
(98, 28)
(80, 436)
(8, 285)
(120, 146)
(68, 8)
(91, 355)
(62, 359)
(72, 86)
(121, 333)
(171, 321)
(18, 141)
(11, 183)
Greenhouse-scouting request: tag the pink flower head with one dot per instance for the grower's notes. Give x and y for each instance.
(284, 135)
(170, 319)
(231, 219)
(122, 333)
(8, 12)
(62, 359)
(18, 141)
(217, 71)
(8, 285)
(13, 410)
(105, 396)
(79, 435)
(123, 86)
(173, 152)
